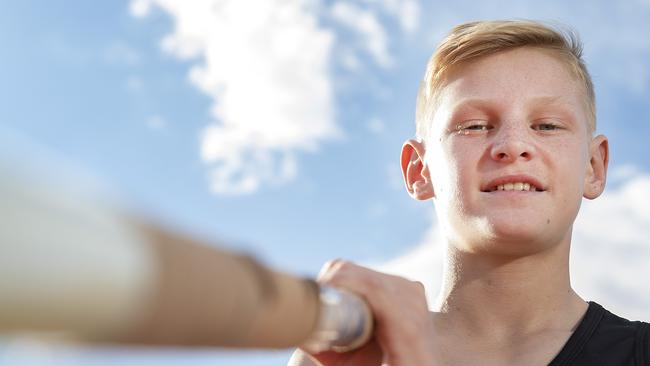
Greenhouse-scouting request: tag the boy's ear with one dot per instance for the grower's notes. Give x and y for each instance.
(597, 169)
(415, 170)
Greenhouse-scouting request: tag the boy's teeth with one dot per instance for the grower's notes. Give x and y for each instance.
(518, 186)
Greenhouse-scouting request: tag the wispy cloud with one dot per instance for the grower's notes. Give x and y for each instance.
(609, 252)
(376, 126)
(134, 84)
(121, 53)
(269, 74)
(365, 22)
(406, 12)
(157, 123)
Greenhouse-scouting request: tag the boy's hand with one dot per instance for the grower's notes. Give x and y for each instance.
(403, 324)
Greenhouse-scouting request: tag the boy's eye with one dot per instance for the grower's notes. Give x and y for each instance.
(477, 127)
(472, 127)
(546, 127)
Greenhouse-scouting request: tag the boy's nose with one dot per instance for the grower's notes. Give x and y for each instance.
(510, 146)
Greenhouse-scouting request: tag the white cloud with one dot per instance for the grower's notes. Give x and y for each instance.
(610, 253)
(365, 22)
(268, 73)
(423, 263)
(140, 8)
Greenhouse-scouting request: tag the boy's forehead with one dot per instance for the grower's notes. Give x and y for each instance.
(529, 75)
(486, 103)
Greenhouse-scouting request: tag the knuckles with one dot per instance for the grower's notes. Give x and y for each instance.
(375, 286)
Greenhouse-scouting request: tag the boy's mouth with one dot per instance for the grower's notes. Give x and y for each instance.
(518, 182)
(518, 186)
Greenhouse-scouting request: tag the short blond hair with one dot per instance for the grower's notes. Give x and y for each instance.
(469, 41)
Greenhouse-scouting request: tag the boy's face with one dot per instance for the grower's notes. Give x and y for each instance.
(509, 156)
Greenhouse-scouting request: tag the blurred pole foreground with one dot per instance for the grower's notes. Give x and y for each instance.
(71, 264)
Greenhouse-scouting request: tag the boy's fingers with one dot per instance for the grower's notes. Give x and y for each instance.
(370, 355)
(399, 306)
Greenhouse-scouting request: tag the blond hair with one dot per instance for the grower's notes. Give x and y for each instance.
(469, 41)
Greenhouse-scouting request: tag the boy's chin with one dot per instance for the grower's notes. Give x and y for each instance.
(518, 239)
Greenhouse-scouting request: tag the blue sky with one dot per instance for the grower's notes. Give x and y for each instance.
(281, 137)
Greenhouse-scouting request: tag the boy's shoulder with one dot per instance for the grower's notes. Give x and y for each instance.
(603, 338)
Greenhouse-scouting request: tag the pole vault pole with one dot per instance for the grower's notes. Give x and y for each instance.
(71, 264)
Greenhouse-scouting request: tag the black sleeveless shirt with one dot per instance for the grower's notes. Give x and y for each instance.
(604, 339)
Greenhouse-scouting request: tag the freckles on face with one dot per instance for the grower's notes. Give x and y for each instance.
(507, 122)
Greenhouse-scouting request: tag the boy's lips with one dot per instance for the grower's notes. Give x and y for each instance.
(516, 182)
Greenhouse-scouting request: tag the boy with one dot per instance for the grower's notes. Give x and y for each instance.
(505, 148)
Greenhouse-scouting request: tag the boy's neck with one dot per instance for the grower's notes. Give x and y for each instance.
(507, 297)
